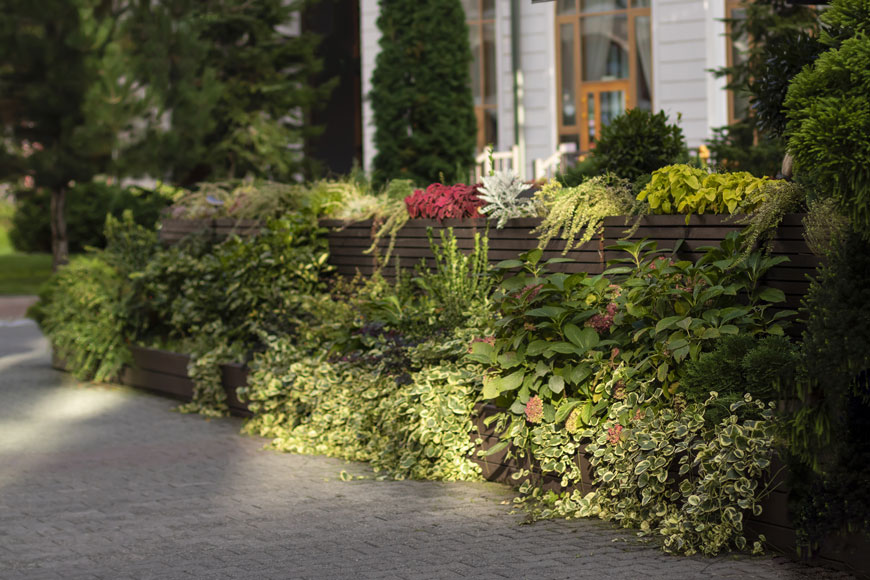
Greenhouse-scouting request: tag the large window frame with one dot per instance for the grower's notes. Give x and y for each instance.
(583, 130)
(481, 16)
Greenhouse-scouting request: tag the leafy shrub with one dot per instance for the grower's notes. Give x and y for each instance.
(421, 98)
(444, 202)
(582, 209)
(501, 192)
(734, 148)
(579, 341)
(81, 312)
(720, 474)
(87, 205)
(576, 174)
(826, 430)
(687, 190)
(829, 114)
(740, 364)
(459, 282)
(637, 142)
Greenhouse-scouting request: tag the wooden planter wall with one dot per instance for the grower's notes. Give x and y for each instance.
(349, 241)
(173, 231)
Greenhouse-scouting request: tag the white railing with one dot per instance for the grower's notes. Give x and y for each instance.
(489, 161)
(547, 168)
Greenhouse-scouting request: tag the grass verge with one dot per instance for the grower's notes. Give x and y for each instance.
(23, 274)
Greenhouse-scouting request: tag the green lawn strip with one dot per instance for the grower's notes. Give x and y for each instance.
(23, 274)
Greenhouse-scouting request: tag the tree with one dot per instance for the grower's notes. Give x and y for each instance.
(779, 39)
(829, 113)
(59, 99)
(234, 83)
(421, 100)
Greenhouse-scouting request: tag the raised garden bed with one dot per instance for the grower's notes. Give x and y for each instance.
(349, 241)
(849, 551)
(165, 372)
(174, 230)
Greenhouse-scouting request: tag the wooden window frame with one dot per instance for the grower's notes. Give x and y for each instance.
(480, 110)
(581, 88)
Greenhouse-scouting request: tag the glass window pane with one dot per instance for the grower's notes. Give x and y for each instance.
(605, 47)
(472, 9)
(612, 106)
(644, 62)
(590, 116)
(489, 85)
(569, 97)
(474, 41)
(488, 9)
(603, 5)
(640, 3)
(566, 7)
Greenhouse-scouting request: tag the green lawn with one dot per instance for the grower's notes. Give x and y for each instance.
(23, 273)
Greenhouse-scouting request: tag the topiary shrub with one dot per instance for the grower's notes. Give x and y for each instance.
(421, 92)
(829, 114)
(636, 143)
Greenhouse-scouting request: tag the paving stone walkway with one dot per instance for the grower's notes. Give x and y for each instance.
(109, 483)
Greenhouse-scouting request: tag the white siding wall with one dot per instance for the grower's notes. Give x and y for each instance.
(688, 41)
(538, 66)
(370, 36)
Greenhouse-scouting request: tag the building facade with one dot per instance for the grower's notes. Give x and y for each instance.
(557, 71)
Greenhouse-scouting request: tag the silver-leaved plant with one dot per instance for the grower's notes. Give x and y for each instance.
(501, 192)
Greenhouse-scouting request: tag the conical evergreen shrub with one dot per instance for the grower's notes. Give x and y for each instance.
(421, 92)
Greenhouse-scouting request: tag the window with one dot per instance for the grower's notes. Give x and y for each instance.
(736, 53)
(480, 16)
(604, 64)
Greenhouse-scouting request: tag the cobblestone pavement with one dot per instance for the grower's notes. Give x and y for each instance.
(107, 482)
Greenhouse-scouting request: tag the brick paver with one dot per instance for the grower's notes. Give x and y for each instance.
(13, 308)
(106, 482)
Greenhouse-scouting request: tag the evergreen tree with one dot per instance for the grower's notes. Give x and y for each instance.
(778, 36)
(424, 118)
(64, 95)
(234, 79)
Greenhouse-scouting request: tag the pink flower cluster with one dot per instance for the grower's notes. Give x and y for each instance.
(601, 322)
(614, 433)
(444, 202)
(535, 409)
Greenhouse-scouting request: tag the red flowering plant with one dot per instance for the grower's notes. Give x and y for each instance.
(570, 345)
(442, 202)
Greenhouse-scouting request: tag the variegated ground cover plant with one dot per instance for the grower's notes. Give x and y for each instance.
(599, 360)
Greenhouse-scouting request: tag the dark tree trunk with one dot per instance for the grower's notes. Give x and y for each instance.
(59, 241)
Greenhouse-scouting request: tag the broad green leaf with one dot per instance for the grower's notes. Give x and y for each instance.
(772, 295)
(572, 333)
(495, 448)
(557, 384)
(537, 347)
(561, 347)
(509, 360)
(666, 323)
(508, 264)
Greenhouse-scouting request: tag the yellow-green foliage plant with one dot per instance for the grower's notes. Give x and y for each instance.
(682, 189)
(576, 213)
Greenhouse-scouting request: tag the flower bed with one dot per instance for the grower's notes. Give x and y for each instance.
(349, 242)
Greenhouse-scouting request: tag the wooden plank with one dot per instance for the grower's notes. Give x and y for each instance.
(173, 385)
(160, 361)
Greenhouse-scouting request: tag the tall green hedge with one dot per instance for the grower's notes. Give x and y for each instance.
(421, 96)
(829, 113)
